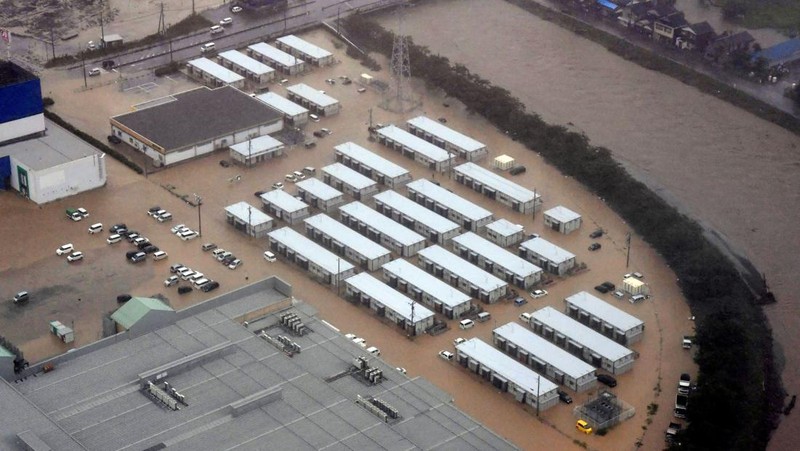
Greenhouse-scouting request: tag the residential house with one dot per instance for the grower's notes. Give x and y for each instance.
(666, 29)
(696, 37)
(720, 49)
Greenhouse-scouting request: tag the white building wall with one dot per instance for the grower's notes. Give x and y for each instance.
(22, 127)
(63, 180)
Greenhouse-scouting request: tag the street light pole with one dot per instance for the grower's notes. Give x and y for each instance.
(199, 201)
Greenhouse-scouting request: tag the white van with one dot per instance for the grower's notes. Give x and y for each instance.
(200, 282)
(165, 217)
(207, 47)
(466, 324)
(525, 317)
(484, 316)
(114, 239)
(374, 351)
(95, 228)
(217, 29)
(159, 255)
(636, 298)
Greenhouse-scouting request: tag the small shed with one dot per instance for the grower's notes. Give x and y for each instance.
(562, 219)
(111, 41)
(366, 79)
(504, 162)
(635, 286)
(142, 314)
(505, 233)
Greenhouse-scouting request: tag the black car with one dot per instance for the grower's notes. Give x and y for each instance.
(594, 246)
(123, 298)
(516, 170)
(602, 289)
(184, 289)
(596, 234)
(319, 134)
(153, 210)
(210, 286)
(144, 244)
(129, 255)
(224, 163)
(607, 380)
(138, 258)
(259, 193)
(609, 285)
(149, 249)
(117, 227)
(227, 260)
(113, 139)
(564, 397)
(108, 64)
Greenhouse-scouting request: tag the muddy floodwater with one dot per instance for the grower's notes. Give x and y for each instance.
(734, 172)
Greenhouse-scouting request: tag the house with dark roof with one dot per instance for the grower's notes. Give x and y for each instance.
(666, 29)
(194, 123)
(696, 36)
(720, 49)
(635, 15)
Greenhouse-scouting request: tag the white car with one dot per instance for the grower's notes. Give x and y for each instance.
(190, 235)
(401, 370)
(178, 228)
(446, 355)
(374, 351)
(269, 256)
(350, 336)
(75, 256)
(94, 72)
(172, 280)
(536, 294)
(85, 214)
(217, 252)
(236, 9)
(299, 175)
(458, 341)
(114, 238)
(291, 177)
(65, 249)
(360, 341)
(235, 264)
(226, 21)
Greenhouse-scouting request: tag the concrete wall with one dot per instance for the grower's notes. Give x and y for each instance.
(18, 128)
(64, 180)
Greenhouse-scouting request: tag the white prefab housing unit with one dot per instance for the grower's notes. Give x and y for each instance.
(505, 233)
(319, 194)
(465, 276)
(604, 318)
(381, 229)
(278, 59)
(438, 229)
(544, 357)
(503, 162)
(447, 138)
(371, 165)
(346, 242)
(412, 317)
(419, 150)
(508, 375)
(293, 113)
(496, 260)
(635, 286)
(547, 255)
(283, 205)
(562, 219)
(250, 68)
(497, 187)
(208, 71)
(452, 206)
(423, 287)
(349, 181)
(256, 150)
(248, 219)
(594, 348)
(305, 50)
(323, 265)
(313, 99)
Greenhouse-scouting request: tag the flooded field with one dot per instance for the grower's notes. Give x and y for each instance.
(732, 171)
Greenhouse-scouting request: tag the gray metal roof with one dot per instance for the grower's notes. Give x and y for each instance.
(603, 310)
(414, 143)
(217, 71)
(447, 134)
(548, 250)
(497, 182)
(464, 269)
(94, 395)
(319, 189)
(348, 237)
(504, 227)
(198, 116)
(312, 251)
(426, 282)
(277, 55)
(349, 176)
(393, 300)
(314, 96)
(449, 200)
(543, 350)
(245, 62)
(416, 211)
(248, 213)
(304, 46)
(372, 160)
(581, 334)
(524, 377)
(562, 214)
(56, 147)
(282, 104)
(382, 224)
(497, 255)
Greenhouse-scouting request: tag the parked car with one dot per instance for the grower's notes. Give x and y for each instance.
(208, 246)
(684, 384)
(536, 294)
(601, 288)
(184, 289)
(75, 256)
(223, 255)
(516, 170)
(171, 280)
(21, 297)
(123, 298)
(269, 256)
(153, 210)
(95, 228)
(619, 294)
(235, 264)
(374, 351)
(594, 246)
(609, 285)
(309, 170)
(446, 355)
(277, 185)
(291, 177)
(564, 397)
(583, 426)
(299, 175)
(129, 255)
(64, 249)
(226, 21)
(113, 139)
(191, 234)
(94, 72)
(596, 234)
(236, 9)
(116, 228)
(138, 257)
(313, 117)
(458, 341)
(401, 370)
(228, 260)
(176, 267)
(520, 301)
(217, 252)
(607, 379)
(210, 286)
(113, 238)
(360, 341)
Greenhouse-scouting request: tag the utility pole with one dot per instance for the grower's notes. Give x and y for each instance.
(628, 245)
(52, 43)
(170, 51)
(199, 201)
(534, 204)
(102, 32)
(193, 13)
(162, 26)
(83, 63)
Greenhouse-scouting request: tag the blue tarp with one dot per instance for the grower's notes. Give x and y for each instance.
(607, 4)
(781, 52)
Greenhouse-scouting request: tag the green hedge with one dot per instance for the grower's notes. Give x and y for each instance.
(740, 394)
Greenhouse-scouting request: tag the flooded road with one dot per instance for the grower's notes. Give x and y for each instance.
(734, 172)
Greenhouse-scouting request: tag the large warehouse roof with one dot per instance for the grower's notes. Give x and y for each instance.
(349, 176)
(506, 367)
(215, 70)
(548, 250)
(348, 237)
(462, 268)
(449, 200)
(382, 224)
(312, 95)
(414, 143)
(198, 116)
(244, 61)
(274, 54)
(543, 350)
(310, 250)
(416, 211)
(282, 104)
(371, 160)
(304, 46)
(393, 300)
(446, 134)
(603, 310)
(581, 334)
(497, 255)
(498, 182)
(426, 282)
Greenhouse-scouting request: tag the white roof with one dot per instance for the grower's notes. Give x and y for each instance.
(216, 71)
(506, 367)
(244, 61)
(505, 227)
(562, 214)
(349, 176)
(312, 95)
(447, 199)
(371, 160)
(282, 104)
(603, 310)
(581, 334)
(548, 250)
(319, 189)
(347, 236)
(283, 200)
(464, 269)
(248, 213)
(304, 46)
(497, 182)
(633, 282)
(496, 254)
(416, 211)
(447, 134)
(543, 350)
(256, 146)
(384, 294)
(311, 250)
(382, 224)
(277, 55)
(426, 282)
(414, 143)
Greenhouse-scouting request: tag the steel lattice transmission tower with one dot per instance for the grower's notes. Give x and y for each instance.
(400, 98)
